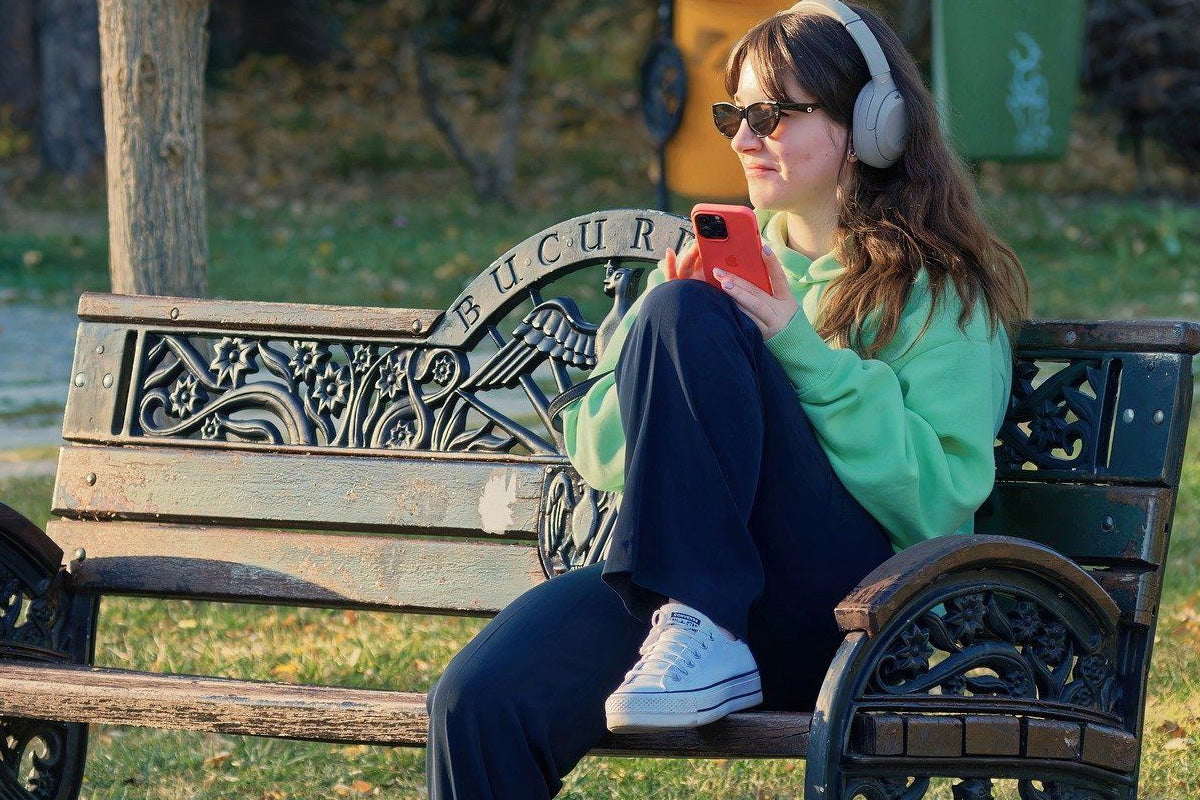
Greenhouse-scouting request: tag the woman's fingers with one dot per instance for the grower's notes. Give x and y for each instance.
(669, 265)
(689, 265)
(770, 312)
(749, 298)
(779, 284)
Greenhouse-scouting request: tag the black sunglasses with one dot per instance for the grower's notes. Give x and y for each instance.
(762, 116)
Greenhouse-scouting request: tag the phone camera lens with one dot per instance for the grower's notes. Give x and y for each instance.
(712, 226)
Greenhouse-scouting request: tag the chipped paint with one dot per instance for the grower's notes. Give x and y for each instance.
(496, 502)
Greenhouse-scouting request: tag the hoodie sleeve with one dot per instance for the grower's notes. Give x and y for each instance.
(911, 440)
(592, 430)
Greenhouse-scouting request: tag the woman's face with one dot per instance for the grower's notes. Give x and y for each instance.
(796, 168)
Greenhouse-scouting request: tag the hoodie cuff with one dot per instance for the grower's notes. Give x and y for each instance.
(802, 353)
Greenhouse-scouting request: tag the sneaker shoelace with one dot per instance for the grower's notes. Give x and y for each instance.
(670, 650)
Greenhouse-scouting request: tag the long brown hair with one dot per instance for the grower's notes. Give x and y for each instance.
(920, 213)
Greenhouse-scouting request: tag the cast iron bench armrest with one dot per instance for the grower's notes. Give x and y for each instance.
(893, 584)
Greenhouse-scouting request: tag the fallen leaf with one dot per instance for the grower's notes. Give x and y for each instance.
(187, 624)
(287, 670)
(361, 786)
(1172, 729)
(217, 759)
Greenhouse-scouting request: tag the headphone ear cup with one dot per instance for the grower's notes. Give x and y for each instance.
(880, 125)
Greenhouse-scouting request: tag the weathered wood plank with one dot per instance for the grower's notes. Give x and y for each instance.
(74, 693)
(1168, 336)
(877, 735)
(99, 379)
(992, 735)
(886, 590)
(345, 571)
(1051, 739)
(245, 315)
(431, 496)
(1110, 748)
(933, 737)
(1088, 524)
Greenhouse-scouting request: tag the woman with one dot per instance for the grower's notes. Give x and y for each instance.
(771, 448)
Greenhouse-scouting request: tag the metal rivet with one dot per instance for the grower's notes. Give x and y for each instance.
(99, 349)
(1158, 417)
(80, 554)
(570, 241)
(79, 379)
(107, 381)
(174, 313)
(1128, 415)
(416, 326)
(1107, 524)
(528, 262)
(1071, 337)
(91, 479)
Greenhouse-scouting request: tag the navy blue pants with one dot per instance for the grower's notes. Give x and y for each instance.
(730, 506)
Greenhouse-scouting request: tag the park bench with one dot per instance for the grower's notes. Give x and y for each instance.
(395, 459)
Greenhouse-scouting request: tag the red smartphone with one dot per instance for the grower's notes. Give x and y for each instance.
(728, 238)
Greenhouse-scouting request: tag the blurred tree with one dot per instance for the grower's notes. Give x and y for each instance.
(18, 61)
(70, 120)
(306, 30)
(1142, 60)
(505, 31)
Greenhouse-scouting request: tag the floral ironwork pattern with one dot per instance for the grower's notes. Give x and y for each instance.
(887, 788)
(315, 393)
(29, 619)
(1002, 644)
(32, 755)
(1056, 415)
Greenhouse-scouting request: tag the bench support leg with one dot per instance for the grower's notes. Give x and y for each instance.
(40, 620)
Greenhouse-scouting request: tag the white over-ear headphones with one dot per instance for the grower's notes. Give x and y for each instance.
(880, 130)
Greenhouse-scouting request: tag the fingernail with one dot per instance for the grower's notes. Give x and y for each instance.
(767, 251)
(727, 284)
(720, 273)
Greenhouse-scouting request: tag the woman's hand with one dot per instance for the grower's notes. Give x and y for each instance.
(685, 265)
(770, 312)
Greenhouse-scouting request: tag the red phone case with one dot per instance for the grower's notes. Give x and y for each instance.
(739, 253)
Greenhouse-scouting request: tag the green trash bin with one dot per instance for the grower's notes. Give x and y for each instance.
(1005, 74)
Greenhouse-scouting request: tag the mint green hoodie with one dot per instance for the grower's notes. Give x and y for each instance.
(909, 432)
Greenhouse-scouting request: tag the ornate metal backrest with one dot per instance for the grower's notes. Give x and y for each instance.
(472, 383)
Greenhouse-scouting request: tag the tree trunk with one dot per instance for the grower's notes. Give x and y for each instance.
(18, 61)
(70, 120)
(153, 65)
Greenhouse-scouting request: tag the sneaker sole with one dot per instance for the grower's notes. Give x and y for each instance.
(713, 705)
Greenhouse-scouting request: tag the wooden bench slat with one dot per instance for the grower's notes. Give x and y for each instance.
(75, 693)
(446, 496)
(391, 573)
(192, 313)
(1164, 336)
(1088, 524)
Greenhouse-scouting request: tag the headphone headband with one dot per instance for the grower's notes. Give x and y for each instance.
(877, 62)
(880, 130)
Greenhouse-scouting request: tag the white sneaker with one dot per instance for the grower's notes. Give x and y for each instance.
(690, 674)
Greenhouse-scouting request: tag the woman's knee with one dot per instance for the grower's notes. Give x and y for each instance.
(463, 697)
(679, 302)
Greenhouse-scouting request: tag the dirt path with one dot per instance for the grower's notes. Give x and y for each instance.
(36, 346)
